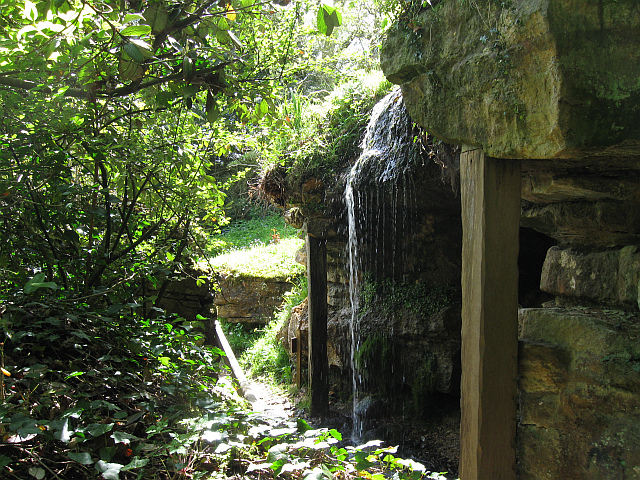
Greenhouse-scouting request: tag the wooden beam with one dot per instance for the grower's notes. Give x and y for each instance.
(490, 190)
(317, 295)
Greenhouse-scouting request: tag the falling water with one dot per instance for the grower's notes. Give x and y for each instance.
(380, 175)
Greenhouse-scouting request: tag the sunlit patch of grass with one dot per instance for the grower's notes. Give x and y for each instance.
(274, 261)
(257, 229)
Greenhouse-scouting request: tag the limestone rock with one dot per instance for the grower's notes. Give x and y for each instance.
(534, 79)
(250, 300)
(579, 395)
(590, 203)
(605, 277)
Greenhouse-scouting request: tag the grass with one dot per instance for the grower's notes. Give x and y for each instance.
(259, 228)
(272, 261)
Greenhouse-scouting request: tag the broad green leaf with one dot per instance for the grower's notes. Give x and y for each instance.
(29, 287)
(30, 10)
(133, 51)
(4, 461)
(132, 17)
(144, 47)
(157, 17)
(97, 429)
(129, 70)
(302, 425)
(37, 472)
(123, 437)
(136, 30)
(81, 457)
(109, 471)
(135, 463)
(327, 19)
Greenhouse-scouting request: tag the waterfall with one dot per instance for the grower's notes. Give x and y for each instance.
(378, 186)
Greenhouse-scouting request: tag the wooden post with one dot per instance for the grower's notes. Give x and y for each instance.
(317, 295)
(490, 219)
(298, 351)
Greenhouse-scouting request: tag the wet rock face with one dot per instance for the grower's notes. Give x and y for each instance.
(534, 79)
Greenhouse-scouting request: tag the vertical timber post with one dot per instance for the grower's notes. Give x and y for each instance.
(490, 219)
(317, 294)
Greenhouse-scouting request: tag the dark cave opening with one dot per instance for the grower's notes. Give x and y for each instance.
(533, 251)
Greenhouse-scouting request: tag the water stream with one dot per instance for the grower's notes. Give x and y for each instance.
(379, 193)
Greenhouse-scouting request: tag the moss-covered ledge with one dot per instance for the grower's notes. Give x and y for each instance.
(533, 79)
(252, 283)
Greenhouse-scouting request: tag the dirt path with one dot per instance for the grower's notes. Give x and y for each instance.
(273, 404)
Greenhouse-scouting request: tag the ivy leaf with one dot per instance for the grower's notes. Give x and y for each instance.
(328, 18)
(81, 457)
(109, 471)
(135, 463)
(136, 30)
(123, 437)
(97, 429)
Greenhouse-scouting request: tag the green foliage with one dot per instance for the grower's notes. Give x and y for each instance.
(239, 336)
(267, 357)
(331, 129)
(110, 390)
(387, 297)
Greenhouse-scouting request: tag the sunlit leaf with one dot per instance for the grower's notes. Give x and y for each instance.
(235, 39)
(136, 30)
(123, 437)
(131, 17)
(135, 463)
(231, 13)
(327, 19)
(30, 10)
(109, 471)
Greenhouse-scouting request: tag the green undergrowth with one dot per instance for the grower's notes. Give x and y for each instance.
(266, 356)
(109, 394)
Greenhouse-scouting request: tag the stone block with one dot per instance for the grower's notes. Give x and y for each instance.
(579, 404)
(603, 276)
